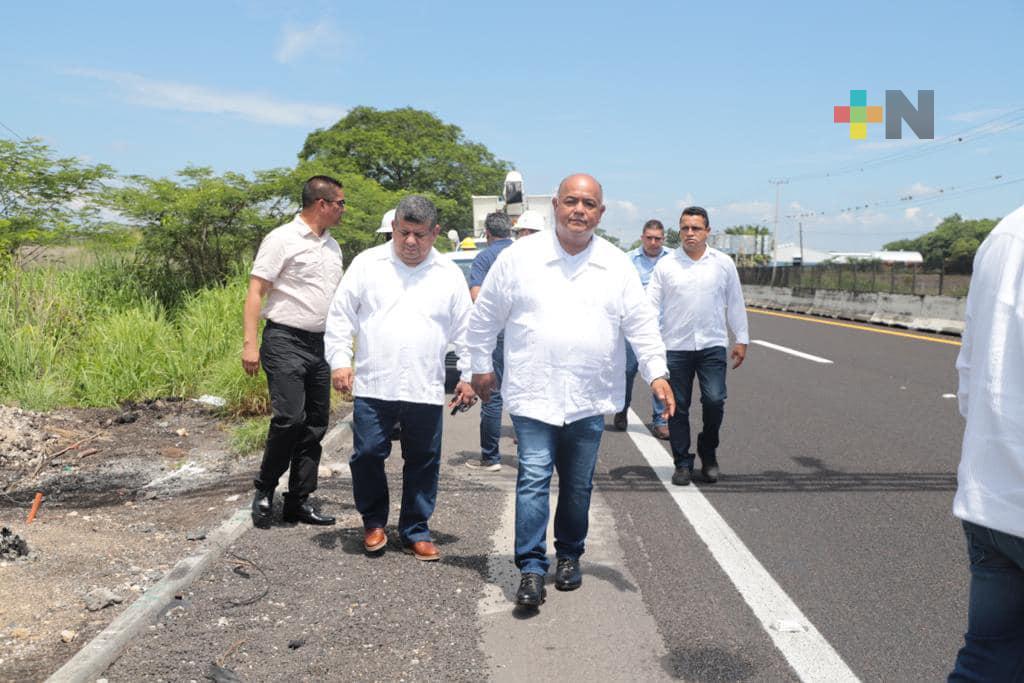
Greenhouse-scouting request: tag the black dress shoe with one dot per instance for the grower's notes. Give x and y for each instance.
(620, 422)
(531, 591)
(681, 477)
(307, 515)
(567, 574)
(262, 506)
(710, 473)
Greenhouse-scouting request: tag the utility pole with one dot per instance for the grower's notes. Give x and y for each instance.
(775, 233)
(801, 227)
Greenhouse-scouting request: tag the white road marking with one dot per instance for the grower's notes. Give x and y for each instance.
(794, 635)
(792, 352)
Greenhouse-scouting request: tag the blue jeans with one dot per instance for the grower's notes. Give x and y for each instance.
(994, 643)
(632, 368)
(709, 366)
(372, 421)
(490, 412)
(571, 450)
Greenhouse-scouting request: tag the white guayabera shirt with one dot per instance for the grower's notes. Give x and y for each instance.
(697, 300)
(564, 319)
(402, 320)
(990, 489)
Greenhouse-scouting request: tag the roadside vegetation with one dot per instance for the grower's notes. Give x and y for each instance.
(146, 298)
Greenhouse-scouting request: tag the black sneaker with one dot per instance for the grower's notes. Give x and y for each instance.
(531, 591)
(620, 422)
(681, 477)
(567, 574)
(710, 472)
(262, 506)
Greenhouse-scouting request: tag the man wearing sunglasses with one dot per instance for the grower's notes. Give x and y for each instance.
(297, 268)
(697, 294)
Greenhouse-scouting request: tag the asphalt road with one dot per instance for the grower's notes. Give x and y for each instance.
(836, 477)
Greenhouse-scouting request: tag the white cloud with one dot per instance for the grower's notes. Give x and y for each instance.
(977, 115)
(322, 38)
(755, 209)
(919, 188)
(258, 107)
(911, 214)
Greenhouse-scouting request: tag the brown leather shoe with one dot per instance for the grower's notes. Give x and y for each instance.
(423, 550)
(660, 431)
(374, 539)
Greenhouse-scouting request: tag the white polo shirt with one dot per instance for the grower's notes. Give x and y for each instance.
(564, 319)
(304, 270)
(401, 320)
(698, 300)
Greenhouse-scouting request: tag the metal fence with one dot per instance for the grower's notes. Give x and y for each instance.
(860, 277)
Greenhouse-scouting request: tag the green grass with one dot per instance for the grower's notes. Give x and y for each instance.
(250, 435)
(92, 335)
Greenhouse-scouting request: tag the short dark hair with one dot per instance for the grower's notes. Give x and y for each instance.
(498, 224)
(319, 187)
(696, 211)
(653, 224)
(416, 209)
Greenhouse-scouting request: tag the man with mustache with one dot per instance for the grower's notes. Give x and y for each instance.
(400, 304)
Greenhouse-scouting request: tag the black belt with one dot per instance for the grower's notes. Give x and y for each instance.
(296, 331)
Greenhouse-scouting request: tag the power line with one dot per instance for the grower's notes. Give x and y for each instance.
(10, 130)
(996, 126)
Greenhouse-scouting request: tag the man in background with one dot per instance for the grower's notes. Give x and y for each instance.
(645, 257)
(696, 293)
(297, 268)
(498, 231)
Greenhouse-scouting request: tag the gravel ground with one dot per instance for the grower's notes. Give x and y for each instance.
(305, 603)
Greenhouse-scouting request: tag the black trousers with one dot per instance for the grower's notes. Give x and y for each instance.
(299, 381)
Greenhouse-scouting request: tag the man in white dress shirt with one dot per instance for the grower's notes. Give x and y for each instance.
(296, 269)
(401, 304)
(697, 293)
(990, 481)
(565, 299)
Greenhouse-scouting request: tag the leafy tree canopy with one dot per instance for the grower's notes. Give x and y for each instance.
(408, 150)
(951, 244)
(44, 199)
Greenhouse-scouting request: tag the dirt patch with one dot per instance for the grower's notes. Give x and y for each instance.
(124, 492)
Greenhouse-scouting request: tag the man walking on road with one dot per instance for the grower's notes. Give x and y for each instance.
(297, 269)
(645, 257)
(990, 481)
(400, 304)
(498, 230)
(696, 292)
(564, 300)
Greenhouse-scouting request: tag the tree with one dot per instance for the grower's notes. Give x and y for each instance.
(408, 150)
(45, 200)
(756, 230)
(951, 245)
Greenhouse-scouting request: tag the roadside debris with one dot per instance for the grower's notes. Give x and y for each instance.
(35, 507)
(67, 635)
(212, 401)
(220, 674)
(197, 535)
(99, 598)
(296, 644)
(12, 546)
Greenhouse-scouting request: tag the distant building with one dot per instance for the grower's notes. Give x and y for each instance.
(904, 258)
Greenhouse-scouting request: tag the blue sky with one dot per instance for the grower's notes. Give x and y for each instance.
(666, 103)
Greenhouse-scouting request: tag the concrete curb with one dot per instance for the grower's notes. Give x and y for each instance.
(103, 650)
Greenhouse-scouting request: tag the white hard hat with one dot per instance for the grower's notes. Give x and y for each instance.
(385, 222)
(531, 220)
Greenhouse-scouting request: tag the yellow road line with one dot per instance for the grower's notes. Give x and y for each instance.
(864, 328)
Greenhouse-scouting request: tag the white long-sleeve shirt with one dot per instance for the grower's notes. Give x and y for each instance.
(990, 479)
(402, 320)
(564, 319)
(698, 300)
